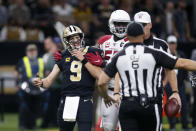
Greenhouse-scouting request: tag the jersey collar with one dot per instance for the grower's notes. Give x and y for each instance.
(149, 41)
(84, 51)
(130, 44)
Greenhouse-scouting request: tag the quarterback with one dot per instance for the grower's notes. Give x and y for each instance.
(79, 77)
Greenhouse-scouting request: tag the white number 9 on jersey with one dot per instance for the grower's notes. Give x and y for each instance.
(76, 67)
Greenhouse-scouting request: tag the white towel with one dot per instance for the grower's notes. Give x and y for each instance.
(71, 108)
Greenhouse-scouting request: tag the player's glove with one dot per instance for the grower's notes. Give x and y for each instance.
(57, 56)
(95, 59)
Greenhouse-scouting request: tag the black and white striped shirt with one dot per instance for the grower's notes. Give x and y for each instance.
(136, 65)
(156, 43)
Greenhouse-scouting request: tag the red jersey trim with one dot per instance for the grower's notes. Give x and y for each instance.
(126, 39)
(103, 39)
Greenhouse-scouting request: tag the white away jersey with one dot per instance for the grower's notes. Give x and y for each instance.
(110, 48)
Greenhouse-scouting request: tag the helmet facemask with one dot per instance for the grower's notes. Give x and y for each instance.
(118, 22)
(72, 44)
(76, 44)
(120, 29)
(75, 33)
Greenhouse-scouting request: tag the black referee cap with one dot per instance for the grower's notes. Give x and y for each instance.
(135, 29)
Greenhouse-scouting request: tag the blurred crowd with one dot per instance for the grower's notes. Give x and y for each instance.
(33, 20)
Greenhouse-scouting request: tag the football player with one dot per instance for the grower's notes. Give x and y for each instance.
(111, 44)
(79, 77)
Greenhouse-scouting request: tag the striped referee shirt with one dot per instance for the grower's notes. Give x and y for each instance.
(156, 43)
(136, 65)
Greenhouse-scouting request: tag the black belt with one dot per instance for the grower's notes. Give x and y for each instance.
(150, 100)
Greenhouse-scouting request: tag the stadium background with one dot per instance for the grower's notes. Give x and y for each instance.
(39, 16)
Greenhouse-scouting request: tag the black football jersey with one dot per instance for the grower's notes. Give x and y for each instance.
(77, 81)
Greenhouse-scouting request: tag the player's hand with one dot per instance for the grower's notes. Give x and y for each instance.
(37, 81)
(176, 95)
(117, 98)
(108, 101)
(94, 59)
(78, 54)
(57, 55)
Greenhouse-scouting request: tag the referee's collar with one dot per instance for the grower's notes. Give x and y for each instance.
(132, 44)
(149, 41)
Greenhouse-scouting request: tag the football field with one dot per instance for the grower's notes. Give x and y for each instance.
(11, 124)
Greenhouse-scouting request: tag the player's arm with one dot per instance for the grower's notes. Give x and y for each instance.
(186, 64)
(95, 71)
(117, 89)
(106, 75)
(102, 84)
(168, 61)
(102, 88)
(117, 85)
(47, 82)
(171, 76)
(165, 79)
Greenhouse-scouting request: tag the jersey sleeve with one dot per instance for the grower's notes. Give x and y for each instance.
(60, 64)
(95, 49)
(111, 68)
(100, 52)
(102, 40)
(165, 59)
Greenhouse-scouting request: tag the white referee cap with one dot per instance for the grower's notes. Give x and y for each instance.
(142, 17)
(171, 39)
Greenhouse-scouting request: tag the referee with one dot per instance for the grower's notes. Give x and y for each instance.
(163, 76)
(139, 110)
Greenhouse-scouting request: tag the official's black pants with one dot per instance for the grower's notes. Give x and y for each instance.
(83, 119)
(134, 117)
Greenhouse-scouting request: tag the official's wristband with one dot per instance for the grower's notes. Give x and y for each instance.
(84, 61)
(117, 93)
(175, 92)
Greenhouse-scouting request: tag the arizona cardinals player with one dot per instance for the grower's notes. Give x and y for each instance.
(111, 44)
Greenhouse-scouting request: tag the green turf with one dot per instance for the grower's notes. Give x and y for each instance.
(166, 126)
(11, 124)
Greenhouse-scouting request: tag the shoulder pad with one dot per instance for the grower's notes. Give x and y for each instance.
(162, 43)
(103, 39)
